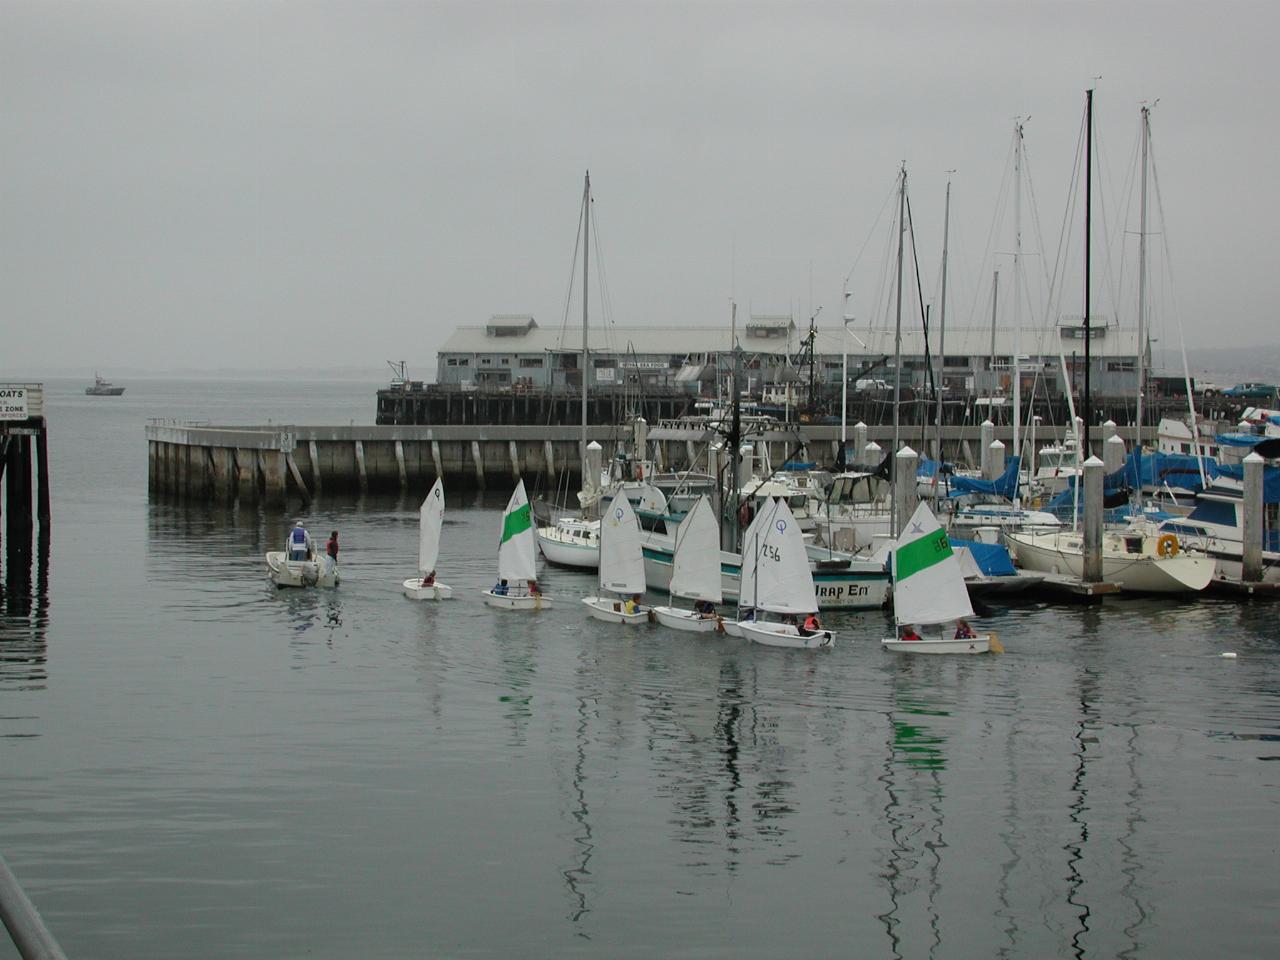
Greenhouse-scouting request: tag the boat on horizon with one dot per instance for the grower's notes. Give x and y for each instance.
(103, 388)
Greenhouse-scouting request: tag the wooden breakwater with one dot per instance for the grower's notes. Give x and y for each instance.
(203, 462)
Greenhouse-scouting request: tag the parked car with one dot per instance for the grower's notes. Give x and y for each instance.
(1251, 391)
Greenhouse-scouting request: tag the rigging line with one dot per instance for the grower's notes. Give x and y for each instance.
(573, 273)
(603, 293)
(924, 316)
(1107, 234)
(1061, 258)
(870, 233)
(997, 218)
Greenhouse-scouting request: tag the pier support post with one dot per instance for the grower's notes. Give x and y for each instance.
(549, 456)
(688, 454)
(435, 459)
(475, 456)
(362, 475)
(404, 478)
(315, 465)
(513, 452)
(966, 451)
(1251, 529)
(591, 480)
(1108, 431)
(995, 460)
(1113, 452)
(153, 467)
(715, 453)
(221, 468)
(246, 475)
(905, 493)
(17, 480)
(297, 477)
(1092, 557)
(746, 464)
(42, 481)
(987, 435)
(872, 454)
(273, 467)
(640, 435)
(859, 437)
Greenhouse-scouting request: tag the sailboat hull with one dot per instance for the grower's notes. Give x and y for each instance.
(1134, 572)
(978, 644)
(610, 610)
(567, 551)
(785, 635)
(414, 590)
(686, 620)
(522, 601)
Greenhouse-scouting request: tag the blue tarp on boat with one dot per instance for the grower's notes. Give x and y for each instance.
(1005, 485)
(992, 558)
(1270, 480)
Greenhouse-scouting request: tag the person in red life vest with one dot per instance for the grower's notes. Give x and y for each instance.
(429, 580)
(811, 625)
(331, 547)
(909, 633)
(964, 631)
(533, 589)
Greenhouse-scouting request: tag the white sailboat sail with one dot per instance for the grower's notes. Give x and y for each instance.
(695, 570)
(621, 553)
(430, 520)
(928, 585)
(747, 593)
(784, 583)
(517, 549)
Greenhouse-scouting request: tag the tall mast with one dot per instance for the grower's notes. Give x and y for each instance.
(897, 338)
(586, 245)
(1143, 332)
(1017, 288)
(995, 296)
(1088, 214)
(942, 318)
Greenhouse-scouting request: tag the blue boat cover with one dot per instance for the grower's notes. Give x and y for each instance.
(1270, 479)
(992, 558)
(1005, 485)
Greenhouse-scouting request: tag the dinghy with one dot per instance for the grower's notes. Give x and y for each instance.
(430, 520)
(621, 566)
(928, 589)
(776, 576)
(695, 572)
(517, 559)
(316, 570)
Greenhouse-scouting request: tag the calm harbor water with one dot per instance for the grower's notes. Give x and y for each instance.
(197, 765)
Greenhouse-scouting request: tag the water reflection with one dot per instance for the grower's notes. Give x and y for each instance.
(24, 612)
(1085, 737)
(911, 776)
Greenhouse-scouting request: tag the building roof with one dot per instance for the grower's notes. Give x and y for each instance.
(676, 340)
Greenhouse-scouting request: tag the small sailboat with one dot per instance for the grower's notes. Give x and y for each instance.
(695, 572)
(430, 521)
(517, 587)
(777, 578)
(621, 566)
(928, 588)
(310, 570)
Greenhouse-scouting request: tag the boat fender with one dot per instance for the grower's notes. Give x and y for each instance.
(1167, 546)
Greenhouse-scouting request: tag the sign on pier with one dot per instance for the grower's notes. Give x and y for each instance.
(13, 401)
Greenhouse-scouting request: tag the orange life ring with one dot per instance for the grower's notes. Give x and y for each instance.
(1167, 546)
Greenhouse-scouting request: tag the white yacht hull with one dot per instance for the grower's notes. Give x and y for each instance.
(773, 634)
(609, 609)
(568, 551)
(686, 620)
(1134, 572)
(414, 590)
(522, 601)
(301, 573)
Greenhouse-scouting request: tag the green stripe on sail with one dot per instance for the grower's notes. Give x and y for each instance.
(515, 522)
(921, 554)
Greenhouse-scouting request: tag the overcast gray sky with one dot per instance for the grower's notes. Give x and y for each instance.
(201, 184)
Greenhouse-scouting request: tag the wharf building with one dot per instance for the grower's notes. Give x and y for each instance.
(513, 370)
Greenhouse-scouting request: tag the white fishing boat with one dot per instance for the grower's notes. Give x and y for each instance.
(571, 542)
(430, 521)
(103, 388)
(929, 589)
(777, 579)
(695, 572)
(517, 588)
(312, 569)
(621, 567)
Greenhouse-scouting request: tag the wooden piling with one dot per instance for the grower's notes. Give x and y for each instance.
(315, 466)
(1251, 529)
(1091, 562)
(404, 479)
(42, 481)
(362, 475)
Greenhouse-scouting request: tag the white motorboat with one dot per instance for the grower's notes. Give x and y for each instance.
(777, 579)
(313, 570)
(517, 559)
(695, 572)
(430, 521)
(1216, 526)
(570, 542)
(621, 567)
(929, 589)
(1140, 562)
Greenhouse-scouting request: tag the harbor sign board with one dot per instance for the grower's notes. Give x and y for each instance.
(13, 401)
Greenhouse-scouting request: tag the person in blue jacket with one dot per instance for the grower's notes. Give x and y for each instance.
(298, 548)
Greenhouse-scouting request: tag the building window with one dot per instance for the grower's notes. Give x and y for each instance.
(531, 361)
(486, 361)
(1120, 366)
(955, 361)
(604, 363)
(452, 362)
(506, 361)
